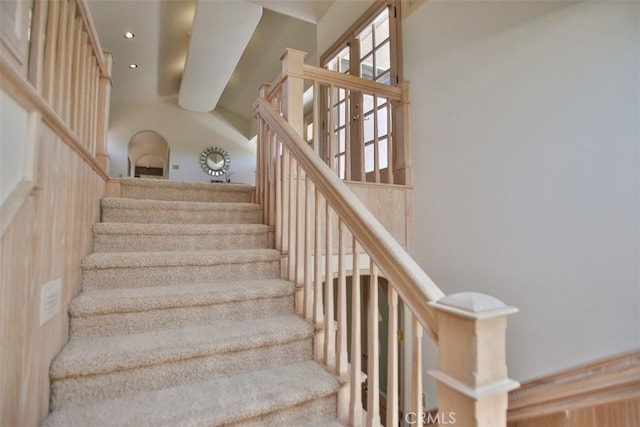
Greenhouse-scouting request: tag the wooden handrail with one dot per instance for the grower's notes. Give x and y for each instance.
(414, 286)
(355, 83)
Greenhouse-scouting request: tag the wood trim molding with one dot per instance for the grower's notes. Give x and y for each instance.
(604, 381)
(14, 84)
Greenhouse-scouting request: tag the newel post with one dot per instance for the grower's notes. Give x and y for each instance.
(472, 377)
(293, 87)
(104, 100)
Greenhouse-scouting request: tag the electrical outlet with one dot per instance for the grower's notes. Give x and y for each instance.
(175, 167)
(50, 296)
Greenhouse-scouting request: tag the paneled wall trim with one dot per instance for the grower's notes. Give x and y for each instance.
(602, 393)
(61, 81)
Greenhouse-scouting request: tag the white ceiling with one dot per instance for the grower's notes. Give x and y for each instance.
(163, 29)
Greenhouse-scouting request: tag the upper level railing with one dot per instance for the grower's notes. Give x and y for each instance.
(325, 232)
(359, 125)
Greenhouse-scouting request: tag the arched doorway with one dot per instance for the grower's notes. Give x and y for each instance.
(148, 155)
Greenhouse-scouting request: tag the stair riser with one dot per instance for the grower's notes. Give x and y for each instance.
(147, 216)
(110, 278)
(184, 195)
(129, 323)
(126, 382)
(310, 413)
(191, 242)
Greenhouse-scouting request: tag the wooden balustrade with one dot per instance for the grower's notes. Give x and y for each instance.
(69, 70)
(336, 252)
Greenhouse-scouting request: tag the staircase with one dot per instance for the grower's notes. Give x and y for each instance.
(184, 320)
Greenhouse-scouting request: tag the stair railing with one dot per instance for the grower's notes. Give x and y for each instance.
(324, 232)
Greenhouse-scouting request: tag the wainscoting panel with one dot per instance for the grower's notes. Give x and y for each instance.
(44, 241)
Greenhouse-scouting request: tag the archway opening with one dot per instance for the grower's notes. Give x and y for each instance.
(148, 155)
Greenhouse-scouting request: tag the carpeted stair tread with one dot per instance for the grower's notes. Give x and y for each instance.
(92, 356)
(107, 260)
(141, 229)
(168, 205)
(129, 237)
(128, 300)
(188, 191)
(211, 403)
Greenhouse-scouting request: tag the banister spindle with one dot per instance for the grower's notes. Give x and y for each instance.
(330, 332)
(308, 236)
(355, 404)
(342, 360)
(392, 358)
(318, 309)
(416, 366)
(373, 351)
(277, 188)
(292, 220)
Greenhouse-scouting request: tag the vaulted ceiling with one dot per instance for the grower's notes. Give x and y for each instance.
(163, 32)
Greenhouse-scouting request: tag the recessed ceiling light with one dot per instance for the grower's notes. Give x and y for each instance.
(129, 35)
(133, 66)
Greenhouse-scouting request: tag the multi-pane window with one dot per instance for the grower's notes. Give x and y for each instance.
(368, 53)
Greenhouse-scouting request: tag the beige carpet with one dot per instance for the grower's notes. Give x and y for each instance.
(183, 320)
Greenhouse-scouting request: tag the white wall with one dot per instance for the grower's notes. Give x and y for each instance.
(525, 140)
(187, 133)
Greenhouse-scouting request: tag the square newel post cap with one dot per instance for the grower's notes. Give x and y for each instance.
(473, 305)
(292, 62)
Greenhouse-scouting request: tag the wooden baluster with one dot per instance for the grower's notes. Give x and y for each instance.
(68, 73)
(355, 401)
(268, 172)
(348, 175)
(390, 143)
(104, 98)
(308, 236)
(300, 203)
(292, 219)
(376, 141)
(284, 224)
(416, 366)
(373, 351)
(260, 160)
(95, 75)
(76, 93)
(82, 91)
(60, 81)
(331, 159)
(342, 360)
(316, 118)
(277, 188)
(392, 358)
(273, 173)
(330, 332)
(37, 47)
(318, 309)
(51, 43)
